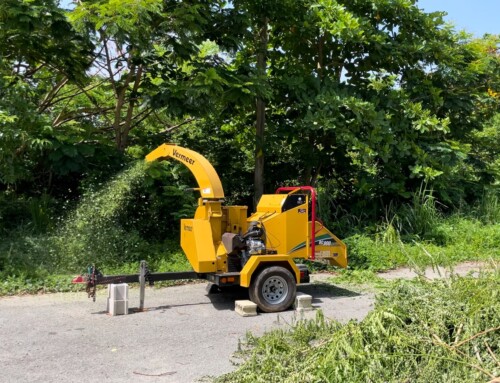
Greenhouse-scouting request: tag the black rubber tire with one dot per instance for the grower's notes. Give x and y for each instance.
(273, 289)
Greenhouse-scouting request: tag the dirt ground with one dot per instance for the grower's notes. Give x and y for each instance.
(184, 336)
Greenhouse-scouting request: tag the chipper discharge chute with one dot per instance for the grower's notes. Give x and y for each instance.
(258, 252)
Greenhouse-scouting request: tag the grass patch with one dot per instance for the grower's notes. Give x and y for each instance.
(440, 331)
(160, 257)
(456, 239)
(36, 284)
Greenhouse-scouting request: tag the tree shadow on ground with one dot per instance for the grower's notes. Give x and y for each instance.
(224, 300)
(326, 290)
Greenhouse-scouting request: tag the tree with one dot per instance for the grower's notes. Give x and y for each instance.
(370, 97)
(39, 52)
(150, 56)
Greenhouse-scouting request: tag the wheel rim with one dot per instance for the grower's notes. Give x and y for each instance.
(275, 290)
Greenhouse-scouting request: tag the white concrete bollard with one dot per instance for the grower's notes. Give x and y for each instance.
(117, 303)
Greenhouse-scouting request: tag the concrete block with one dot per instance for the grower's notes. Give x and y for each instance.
(118, 292)
(245, 308)
(117, 307)
(117, 302)
(303, 302)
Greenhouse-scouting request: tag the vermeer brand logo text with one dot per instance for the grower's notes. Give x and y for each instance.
(182, 157)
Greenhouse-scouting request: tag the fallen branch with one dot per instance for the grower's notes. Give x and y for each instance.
(476, 335)
(440, 342)
(491, 353)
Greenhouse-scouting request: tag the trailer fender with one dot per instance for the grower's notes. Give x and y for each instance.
(255, 262)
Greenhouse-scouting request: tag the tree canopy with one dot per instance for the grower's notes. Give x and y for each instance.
(364, 99)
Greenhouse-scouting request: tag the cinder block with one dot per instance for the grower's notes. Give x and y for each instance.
(118, 292)
(117, 307)
(117, 302)
(245, 308)
(303, 302)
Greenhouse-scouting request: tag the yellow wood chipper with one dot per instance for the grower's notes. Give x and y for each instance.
(229, 248)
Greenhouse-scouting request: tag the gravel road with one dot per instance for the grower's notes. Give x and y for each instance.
(184, 336)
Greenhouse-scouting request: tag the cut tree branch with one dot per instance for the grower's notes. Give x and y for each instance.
(170, 128)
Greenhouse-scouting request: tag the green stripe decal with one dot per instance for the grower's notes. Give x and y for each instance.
(316, 241)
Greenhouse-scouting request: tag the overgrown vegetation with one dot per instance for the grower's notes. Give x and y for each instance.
(441, 331)
(458, 239)
(113, 226)
(123, 221)
(388, 111)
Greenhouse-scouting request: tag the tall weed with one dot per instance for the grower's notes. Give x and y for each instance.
(421, 217)
(389, 231)
(41, 214)
(488, 210)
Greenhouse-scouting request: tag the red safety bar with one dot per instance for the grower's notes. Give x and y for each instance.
(313, 211)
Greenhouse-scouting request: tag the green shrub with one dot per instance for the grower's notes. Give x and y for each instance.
(103, 230)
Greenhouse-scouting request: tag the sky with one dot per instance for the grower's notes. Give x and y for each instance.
(475, 16)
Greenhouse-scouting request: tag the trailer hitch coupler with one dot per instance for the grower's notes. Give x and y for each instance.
(79, 279)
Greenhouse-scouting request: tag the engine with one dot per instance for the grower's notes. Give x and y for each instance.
(253, 242)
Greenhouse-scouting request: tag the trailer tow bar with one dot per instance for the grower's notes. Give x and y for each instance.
(94, 277)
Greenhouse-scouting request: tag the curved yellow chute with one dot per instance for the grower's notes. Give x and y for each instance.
(208, 180)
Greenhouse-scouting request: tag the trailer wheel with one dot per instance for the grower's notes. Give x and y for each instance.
(273, 289)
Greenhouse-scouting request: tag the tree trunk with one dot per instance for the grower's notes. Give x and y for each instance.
(260, 114)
